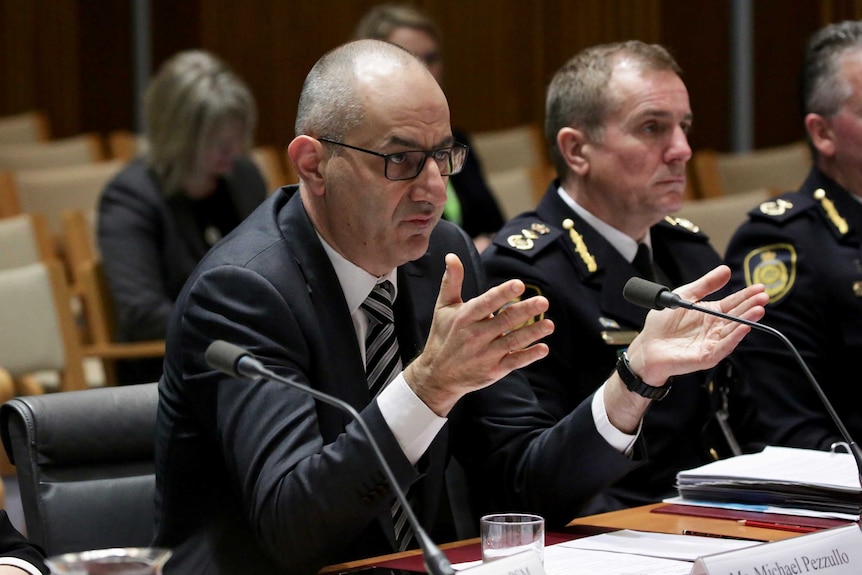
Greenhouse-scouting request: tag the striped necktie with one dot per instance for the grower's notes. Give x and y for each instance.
(382, 364)
(382, 360)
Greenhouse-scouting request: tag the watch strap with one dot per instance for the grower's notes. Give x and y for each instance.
(636, 384)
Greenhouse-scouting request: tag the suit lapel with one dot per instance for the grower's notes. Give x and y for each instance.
(332, 318)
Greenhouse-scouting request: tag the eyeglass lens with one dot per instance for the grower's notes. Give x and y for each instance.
(407, 165)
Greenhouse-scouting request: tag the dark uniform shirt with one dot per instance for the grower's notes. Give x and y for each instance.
(560, 256)
(806, 247)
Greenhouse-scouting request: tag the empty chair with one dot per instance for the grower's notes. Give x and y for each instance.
(504, 149)
(39, 332)
(85, 466)
(269, 163)
(778, 168)
(26, 127)
(51, 191)
(24, 239)
(719, 217)
(125, 145)
(72, 151)
(518, 189)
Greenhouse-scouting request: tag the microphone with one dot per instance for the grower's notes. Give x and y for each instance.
(235, 361)
(656, 296)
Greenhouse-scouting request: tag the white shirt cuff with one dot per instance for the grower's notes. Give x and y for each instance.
(414, 425)
(622, 442)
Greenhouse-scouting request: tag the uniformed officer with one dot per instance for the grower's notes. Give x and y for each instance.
(617, 119)
(806, 248)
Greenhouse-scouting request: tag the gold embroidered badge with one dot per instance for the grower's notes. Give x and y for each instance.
(831, 212)
(775, 207)
(773, 266)
(580, 245)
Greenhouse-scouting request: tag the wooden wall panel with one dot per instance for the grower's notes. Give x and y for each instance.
(73, 57)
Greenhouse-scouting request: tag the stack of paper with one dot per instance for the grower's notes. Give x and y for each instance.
(781, 477)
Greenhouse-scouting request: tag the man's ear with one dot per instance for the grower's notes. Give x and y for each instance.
(572, 144)
(820, 131)
(309, 159)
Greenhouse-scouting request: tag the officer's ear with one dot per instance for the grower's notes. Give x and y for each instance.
(821, 134)
(575, 150)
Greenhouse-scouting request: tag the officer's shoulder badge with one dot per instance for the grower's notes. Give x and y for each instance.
(683, 224)
(774, 266)
(529, 236)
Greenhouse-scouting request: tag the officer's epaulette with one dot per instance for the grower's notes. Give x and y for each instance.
(528, 236)
(779, 210)
(682, 225)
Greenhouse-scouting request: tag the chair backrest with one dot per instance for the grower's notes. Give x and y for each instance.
(39, 331)
(24, 239)
(85, 464)
(52, 191)
(71, 151)
(504, 149)
(720, 216)
(125, 145)
(26, 127)
(518, 189)
(98, 316)
(269, 162)
(778, 168)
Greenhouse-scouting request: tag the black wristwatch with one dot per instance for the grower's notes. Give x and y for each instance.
(636, 384)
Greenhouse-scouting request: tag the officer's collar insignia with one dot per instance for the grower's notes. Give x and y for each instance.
(773, 266)
(580, 245)
(775, 207)
(832, 213)
(683, 223)
(526, 239)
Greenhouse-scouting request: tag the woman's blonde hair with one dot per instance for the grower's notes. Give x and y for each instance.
(191, 97)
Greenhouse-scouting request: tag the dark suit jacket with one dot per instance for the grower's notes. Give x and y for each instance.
(149, 246)
(592, 319)
(13, 544)
(254, 476)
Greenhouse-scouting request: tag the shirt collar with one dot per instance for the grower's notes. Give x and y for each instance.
(356, 283)
(627, 247)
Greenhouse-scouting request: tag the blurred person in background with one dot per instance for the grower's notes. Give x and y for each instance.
(190, 187)
(470, 202)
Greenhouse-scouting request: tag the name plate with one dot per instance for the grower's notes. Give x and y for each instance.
(836, 551)
(524, 563)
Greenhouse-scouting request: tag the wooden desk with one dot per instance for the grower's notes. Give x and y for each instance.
(638, 518)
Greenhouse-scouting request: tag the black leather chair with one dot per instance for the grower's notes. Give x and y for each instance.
(85, 465)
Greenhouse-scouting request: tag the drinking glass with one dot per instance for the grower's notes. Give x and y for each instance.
(505, 534)
(117, 561)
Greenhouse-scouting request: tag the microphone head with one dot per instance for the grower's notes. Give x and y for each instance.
(645, 293)
(225, 357)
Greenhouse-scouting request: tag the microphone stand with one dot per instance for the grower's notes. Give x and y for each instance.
(672, 300)
(246, 365)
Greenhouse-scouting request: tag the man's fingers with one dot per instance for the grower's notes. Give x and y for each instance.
(453, 279)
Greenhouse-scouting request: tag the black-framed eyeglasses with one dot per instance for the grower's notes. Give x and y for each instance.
(408, 164)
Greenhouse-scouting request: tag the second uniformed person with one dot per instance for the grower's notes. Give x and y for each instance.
(617, 119)
(806, 248)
